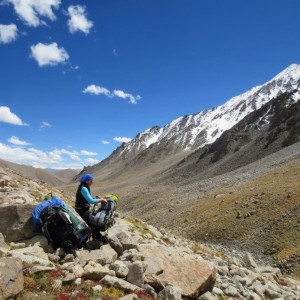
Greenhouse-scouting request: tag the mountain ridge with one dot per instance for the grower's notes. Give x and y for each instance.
(186, 134)
(227, 114)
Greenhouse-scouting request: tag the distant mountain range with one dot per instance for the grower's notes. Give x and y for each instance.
(55, 171)
(66, 174)
(178, 139)
(59, 178)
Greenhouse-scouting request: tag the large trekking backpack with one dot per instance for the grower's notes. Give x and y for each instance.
(104, 216)
(62, 228)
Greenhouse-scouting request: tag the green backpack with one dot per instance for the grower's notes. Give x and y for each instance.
(115, 198)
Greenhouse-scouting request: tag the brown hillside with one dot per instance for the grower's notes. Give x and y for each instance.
(67, 175)
(34, 173)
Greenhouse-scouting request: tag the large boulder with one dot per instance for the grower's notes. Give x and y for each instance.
(188, 272)
(11, 277)
(104, 255)
(16, 223)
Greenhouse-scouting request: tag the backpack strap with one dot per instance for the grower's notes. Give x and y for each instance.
(46, 233)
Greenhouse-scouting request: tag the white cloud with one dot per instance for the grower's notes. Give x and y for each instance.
(30, 11)
(115, 52)
(7, 116)
(74, 157)
(48, 54)
(91, 161)
(105, 142)
(74, 153)
(8, 33)
(123, 95)
(45, 124)
(97, 90)
(56, 159)
(56, 156)
(84, 152)
(78, 20)
(21, 155)
(15, 140)
(122, 139)
(70, 153)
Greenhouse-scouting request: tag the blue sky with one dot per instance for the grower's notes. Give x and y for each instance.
(77, 78)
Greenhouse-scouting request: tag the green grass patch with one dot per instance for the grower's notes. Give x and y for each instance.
(140, 227)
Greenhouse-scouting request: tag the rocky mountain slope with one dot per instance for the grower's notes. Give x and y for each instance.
(265, 131)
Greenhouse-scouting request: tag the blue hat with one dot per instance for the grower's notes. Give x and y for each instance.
(86, 177)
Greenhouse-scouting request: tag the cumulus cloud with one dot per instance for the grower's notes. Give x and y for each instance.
(22, 155)
(105, 142)
(78, 20)
(84, 152)
(48, 54)
(30, 11)
(8, 33)
(97, 90)
(16, 141)
(115, 52)
(72, 154)
(56, 159)
(123, 95)
(122, 139)
(7, 116)
(91, 161)
(45, 124)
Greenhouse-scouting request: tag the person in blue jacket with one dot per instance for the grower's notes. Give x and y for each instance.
(84, 201)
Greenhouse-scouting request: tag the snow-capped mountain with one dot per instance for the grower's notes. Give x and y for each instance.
(210, 130)
(195, 131)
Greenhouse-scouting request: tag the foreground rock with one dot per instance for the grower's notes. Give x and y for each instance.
(149, 265)
(11, 277)
(180, 267)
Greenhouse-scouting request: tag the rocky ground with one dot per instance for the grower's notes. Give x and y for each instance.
(141, 261)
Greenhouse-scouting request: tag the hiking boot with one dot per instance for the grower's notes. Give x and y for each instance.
(100, 238)
(93, 245)
(104, 240)
(97, 237)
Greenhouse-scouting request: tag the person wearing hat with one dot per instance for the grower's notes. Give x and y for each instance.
(84, 200)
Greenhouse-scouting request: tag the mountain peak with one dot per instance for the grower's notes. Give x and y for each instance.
(291, 72)
(191, 132)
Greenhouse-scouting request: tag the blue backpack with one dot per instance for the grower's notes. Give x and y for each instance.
(60, 225)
